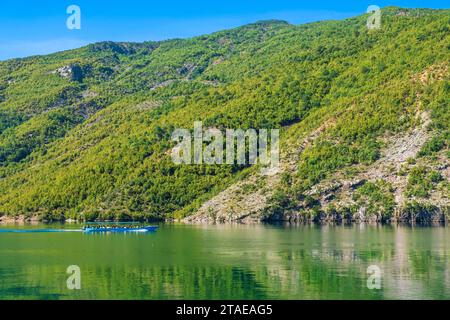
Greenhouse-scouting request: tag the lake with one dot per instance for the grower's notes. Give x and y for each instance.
(229, 262)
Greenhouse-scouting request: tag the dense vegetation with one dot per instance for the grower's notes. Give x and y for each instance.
(87, 132)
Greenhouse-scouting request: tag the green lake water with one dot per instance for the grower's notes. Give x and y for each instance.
(228, 262)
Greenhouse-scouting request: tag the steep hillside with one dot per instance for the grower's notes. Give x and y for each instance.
(364, 119)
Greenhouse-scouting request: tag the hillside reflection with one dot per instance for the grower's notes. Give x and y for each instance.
(231, 262)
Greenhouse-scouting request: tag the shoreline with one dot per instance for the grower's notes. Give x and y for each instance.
(33, 220)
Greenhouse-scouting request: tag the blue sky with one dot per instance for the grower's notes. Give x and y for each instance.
(39, 27)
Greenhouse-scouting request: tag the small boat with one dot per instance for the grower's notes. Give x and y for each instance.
(101, 229)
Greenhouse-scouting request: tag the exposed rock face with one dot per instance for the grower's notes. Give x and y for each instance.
(88, 94)
(64, 72)
(72, 72)
(187, 69)
(244, 201)
(19, 219)
(423, 213)
(162, 84)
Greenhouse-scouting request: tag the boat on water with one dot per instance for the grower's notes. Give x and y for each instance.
(115, 229)
(88, 229)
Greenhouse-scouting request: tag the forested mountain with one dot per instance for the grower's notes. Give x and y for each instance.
(364, 118)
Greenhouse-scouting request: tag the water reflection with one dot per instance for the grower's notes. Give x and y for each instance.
(231, 262)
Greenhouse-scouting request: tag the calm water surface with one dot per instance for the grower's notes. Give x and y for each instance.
(228, 262)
